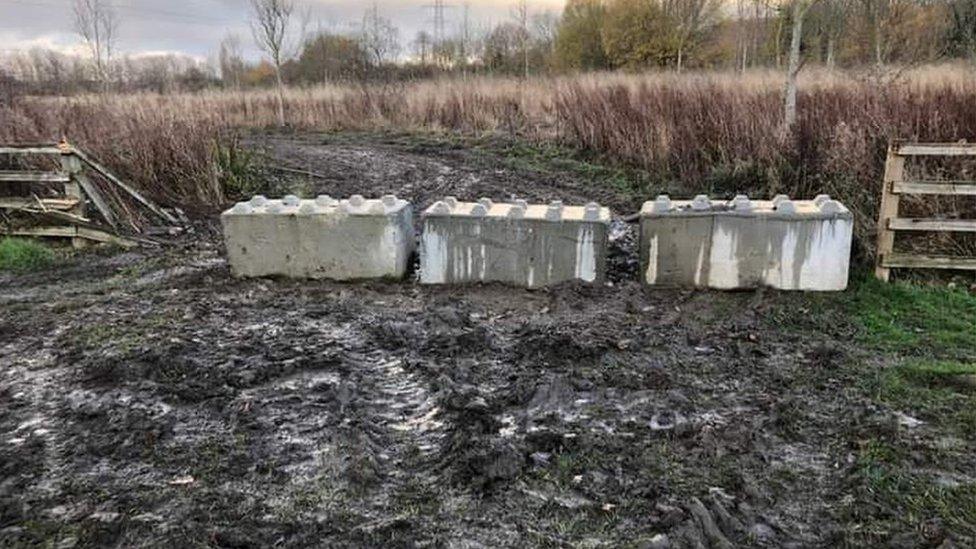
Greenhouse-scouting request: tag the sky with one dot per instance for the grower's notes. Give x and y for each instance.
(195, 27)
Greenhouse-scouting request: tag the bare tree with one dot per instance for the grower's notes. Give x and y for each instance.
(799, 13)
(231, 60)
(689, 18)
(422, 46)
(272, 24)
(97, 23)
(379, 37)
(520, 12)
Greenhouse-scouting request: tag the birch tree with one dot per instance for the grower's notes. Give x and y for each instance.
(273, 28)
(800, 9)
(97, 23)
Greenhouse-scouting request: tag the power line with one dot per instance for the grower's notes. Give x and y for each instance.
(134, 9)
(440, 21)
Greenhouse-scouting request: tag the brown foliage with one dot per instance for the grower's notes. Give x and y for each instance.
(715, 132)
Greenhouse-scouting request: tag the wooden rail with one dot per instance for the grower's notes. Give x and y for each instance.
(895, 186)
(69, 211)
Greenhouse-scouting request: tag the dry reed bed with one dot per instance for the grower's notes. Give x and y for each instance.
(717, 132)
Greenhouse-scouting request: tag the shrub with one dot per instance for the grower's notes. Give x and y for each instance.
(24, 255)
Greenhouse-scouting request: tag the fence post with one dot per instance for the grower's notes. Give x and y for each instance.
(71, 166)
(894, 173)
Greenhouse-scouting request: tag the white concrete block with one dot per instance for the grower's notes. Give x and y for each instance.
(320, 239)
(783, 244)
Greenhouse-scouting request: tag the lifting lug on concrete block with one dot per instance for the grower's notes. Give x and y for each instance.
(518, 209)
(259, 201)
(742, 203)
(555, 211)
(440, 208)
(701, 203)
(592, 212)
(779, 199)
(786, 207)
(662, 204)
(479, 210)
(486, 202)
(831, 207)
(291, 201)
(357, 201)
(821, 199)
(325, 201)
(243, 208)
(451, 202)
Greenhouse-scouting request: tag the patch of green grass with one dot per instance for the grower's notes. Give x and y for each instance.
(916, 320)
(937, 392)
(24, 255)
(891, 495)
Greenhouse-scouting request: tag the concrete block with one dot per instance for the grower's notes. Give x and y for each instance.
(741, 244)
(324, 238)
(531, 246)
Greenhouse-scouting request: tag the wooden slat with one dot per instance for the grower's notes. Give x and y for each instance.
(924, 187)
(17, 203)
(60, 232)
(33, 177)
(30, 149)
(71, 232)
(893, 175)
(132, 192)
(936, 149)
(908, 261)
(946, 225)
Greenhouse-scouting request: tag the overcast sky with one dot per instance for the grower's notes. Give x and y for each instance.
(195, 27)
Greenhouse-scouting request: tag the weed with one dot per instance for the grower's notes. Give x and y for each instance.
(235, 168)
(24, 255)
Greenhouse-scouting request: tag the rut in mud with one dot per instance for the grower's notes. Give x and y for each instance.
(148, 398)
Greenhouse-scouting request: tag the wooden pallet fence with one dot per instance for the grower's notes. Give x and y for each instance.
(897, 185)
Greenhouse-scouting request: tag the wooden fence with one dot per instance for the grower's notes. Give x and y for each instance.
(896, 185)
(66, 215)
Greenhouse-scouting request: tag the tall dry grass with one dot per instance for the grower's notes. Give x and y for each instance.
(718, 132)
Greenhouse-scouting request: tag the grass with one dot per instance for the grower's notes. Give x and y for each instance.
(714, 131)
(922, 321)
(24, 255)
(906, 480)
(891, 495)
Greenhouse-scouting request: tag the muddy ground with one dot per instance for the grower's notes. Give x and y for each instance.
(149, 399)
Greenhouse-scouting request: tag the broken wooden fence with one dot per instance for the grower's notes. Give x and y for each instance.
(897, 185)
(66, 215)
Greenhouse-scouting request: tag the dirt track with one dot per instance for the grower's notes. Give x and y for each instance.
(148, 398)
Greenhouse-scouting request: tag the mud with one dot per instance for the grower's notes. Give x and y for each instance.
(150, 399)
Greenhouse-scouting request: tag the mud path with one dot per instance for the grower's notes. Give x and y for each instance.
(149, 399)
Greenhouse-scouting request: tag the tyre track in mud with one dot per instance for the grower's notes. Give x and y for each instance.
(193, 409)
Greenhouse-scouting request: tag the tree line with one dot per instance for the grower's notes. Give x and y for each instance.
(588, 35)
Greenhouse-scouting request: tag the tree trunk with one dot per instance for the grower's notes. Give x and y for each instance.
(878, 53)
(281, 96)
(831, 62)
(681, 52)
(789, 115)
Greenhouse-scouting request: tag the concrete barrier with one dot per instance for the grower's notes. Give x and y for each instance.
(321, 239)
(783, 244)
(532, 246)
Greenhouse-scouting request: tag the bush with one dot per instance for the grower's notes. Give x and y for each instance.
(24, 255)
(708, 131)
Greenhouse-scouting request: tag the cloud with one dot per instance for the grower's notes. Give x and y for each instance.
(195, 27)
